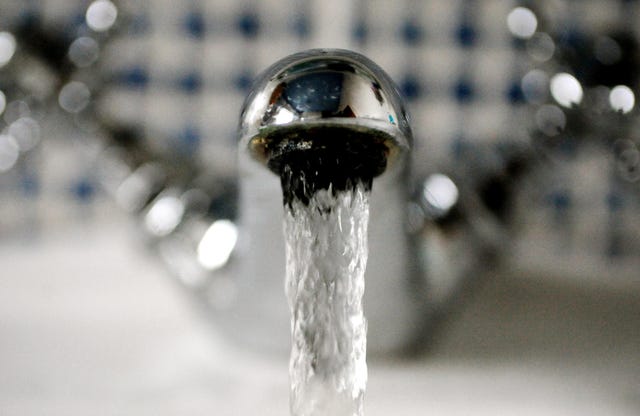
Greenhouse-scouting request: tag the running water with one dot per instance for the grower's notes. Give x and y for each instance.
(326, 252)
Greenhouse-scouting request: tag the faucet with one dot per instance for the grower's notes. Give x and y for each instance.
(191, 213)
(334, 115)
(219, 231)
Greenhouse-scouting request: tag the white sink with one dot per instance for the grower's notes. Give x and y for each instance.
(90, 325)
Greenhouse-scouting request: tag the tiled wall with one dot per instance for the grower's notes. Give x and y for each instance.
(180, 70)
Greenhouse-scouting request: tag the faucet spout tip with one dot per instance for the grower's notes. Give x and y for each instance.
(328, 117)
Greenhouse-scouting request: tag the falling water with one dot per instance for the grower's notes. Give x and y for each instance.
(326, 252)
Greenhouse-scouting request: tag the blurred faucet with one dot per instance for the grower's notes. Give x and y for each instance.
(221, 234)
(219, 230)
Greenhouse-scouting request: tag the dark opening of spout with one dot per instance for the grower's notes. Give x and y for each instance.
(312, 158)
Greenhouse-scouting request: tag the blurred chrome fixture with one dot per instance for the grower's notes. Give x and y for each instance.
(223, 241)
(582, 176)
(24, 92)
(221, 234)
(7, 47)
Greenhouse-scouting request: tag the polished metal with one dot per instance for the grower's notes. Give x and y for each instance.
(320, 88)
(342, 94)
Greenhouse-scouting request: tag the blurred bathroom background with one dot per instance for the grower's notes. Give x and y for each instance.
(118, 194)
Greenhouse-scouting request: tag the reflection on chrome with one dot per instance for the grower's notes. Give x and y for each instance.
(84, 51)
(550, 119)
(535, 85)
(415, 218)
(9, 152)
(627, 159)
(541, 47)
(136, 190)
(622, 99)
(328, 88)
(3, 102)
(522, 22)
(101, 15)
(216, 245)
(74, 97)
(15, 110)
(440, 193)
(284, 116)
(26, 132)
(607, 50)
(164, 215)
(566, 89)
(7, 47)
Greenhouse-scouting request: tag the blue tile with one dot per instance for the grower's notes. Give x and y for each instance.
(301, 27)
(194, 24)
(459, 146)
(614, 201)
(572, 38)
(30, 185)
(135, 77)
(190, 83)
(518, 44)
(139, 24)
(248, 24)
(243, 81)
(412, 33)
(83, 190)
(560, 200)
(463, 91)
(466, 35)
(189, 139)
(411, 87)
(360, 32)
(515, 95)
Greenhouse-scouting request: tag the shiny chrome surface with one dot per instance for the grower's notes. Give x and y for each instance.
(324, 87)
(314, 99)
(558, 331)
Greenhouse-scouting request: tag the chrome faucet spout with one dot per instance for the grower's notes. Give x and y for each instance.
(331, 117)
(328, 119)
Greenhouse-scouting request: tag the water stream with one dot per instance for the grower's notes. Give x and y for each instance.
(326, 254)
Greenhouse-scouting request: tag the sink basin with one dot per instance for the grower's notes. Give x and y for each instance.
(89, 325)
